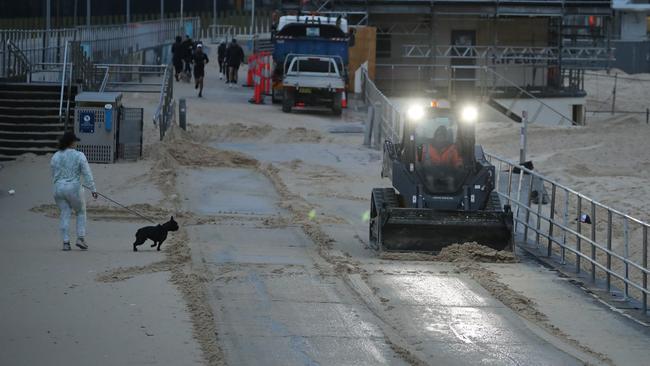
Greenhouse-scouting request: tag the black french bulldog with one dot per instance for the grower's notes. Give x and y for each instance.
(157, 234)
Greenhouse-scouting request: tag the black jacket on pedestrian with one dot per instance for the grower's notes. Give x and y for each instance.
(221, 52)
(199, 59)
(187, 47)
(234, 55)
(177, 51)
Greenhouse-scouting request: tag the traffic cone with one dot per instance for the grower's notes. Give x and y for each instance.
(251, 70)
(344, 100)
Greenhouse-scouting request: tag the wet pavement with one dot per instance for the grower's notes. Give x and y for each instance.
(452, 318)
(270, 299)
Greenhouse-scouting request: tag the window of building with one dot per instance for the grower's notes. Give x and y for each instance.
(384, 45)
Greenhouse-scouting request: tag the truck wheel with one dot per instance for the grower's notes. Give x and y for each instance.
(287, 101)
(337, 106)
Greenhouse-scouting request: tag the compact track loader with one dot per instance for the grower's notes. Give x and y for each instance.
(443, 186)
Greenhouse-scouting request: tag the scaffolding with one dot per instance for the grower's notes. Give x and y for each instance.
(572, 36)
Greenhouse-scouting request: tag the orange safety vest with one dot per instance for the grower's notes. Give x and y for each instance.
(448, 156)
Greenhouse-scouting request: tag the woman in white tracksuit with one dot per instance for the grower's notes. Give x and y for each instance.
(69, 166)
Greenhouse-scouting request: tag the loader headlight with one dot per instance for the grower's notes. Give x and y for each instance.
(415, 113)
(469, 114)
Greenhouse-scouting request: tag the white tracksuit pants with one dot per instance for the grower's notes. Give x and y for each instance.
(69, 197)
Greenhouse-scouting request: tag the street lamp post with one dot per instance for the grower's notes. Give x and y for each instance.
(128, 11)
(182, 27)
(214, 12)
(253, 23)
(48, 15)
(87, 13)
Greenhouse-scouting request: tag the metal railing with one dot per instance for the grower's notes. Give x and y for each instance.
(64, 69)
(219, 33)
(613, 252)
(124, 43)
(607, 244)
(164, 115)
(16, 65)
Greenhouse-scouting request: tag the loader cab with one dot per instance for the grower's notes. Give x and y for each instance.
(441, 148)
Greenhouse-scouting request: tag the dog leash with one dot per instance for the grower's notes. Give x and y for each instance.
(124, 207)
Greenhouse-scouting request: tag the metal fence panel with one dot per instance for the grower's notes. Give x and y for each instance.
(130, 134)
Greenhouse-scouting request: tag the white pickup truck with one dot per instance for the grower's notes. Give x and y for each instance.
(313, 81)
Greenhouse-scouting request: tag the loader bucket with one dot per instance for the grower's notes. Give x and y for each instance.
(426, 230)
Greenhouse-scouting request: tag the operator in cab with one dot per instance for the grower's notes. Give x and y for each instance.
(437, 138)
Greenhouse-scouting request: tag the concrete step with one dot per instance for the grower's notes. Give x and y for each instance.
(15, 151)
(11, 102)
(31, 127)
(52, 143)
(28, 94)
(42, 87)
(22, 110)
(28, 118)
(31, 135)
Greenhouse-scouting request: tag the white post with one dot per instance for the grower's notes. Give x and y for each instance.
(87, 13)
(522, 137)
(253, 24)
(182, 27)
(48, 16)
(214, 12)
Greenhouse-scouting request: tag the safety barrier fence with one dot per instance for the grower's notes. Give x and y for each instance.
(602, 245)
(259, 75)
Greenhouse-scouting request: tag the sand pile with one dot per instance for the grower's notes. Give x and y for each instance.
(241, 132)
(113, 213)
(229, 132)
(299, 134)
(467, 252)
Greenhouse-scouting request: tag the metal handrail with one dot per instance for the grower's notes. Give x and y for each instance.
(102, 87)
(565, 230)
(63, 70)
(20, 56)
(164, 111)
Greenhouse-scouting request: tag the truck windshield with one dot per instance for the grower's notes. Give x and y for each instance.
(313, 65)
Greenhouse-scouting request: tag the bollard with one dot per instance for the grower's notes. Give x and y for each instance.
(182, 114)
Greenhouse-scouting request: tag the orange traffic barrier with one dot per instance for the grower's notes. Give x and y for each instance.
(252, 60)
(257, 80)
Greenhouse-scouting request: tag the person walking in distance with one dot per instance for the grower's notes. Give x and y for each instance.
(69, 167)
(199, 60)
(221, 52)
(177, 57)
(234, 58)
(187, 46)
